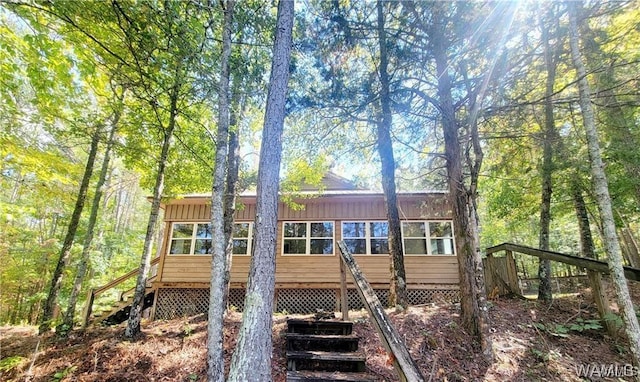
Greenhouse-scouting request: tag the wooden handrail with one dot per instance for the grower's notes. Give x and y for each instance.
(405, 366)
(595, 269)
(93, 293)
(121, 279)
(584, 262)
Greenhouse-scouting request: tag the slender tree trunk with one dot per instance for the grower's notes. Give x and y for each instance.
(135, 314)
(233, 169)
(631, 243)
(587, 247)
(93, 217)
(252, 358)
(219, 284)
(65, 252)
(601, 188)
(472, 291)
(544, 267)
(397, 284)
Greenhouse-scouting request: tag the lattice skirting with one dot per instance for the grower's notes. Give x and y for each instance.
(181, 302)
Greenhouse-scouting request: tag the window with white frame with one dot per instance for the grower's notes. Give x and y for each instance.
(195, 238)
(242, 238)
(427, 237)
(190, 239)
(307, 238)
(366, 237)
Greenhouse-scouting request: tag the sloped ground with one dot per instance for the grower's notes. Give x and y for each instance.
(533, 342)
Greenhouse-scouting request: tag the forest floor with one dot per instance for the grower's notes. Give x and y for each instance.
(532, 342)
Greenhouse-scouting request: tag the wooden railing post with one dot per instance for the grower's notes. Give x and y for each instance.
(602, 302)
(512, 273)
(344, 302)
(404, 365)
(89, 307)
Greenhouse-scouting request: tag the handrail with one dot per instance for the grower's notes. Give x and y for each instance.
(405, 366)
(93, 293)
(122, 278)
(584, 262)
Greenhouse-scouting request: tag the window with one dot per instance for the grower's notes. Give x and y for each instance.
(195, 239)
(441, 235)
(421, 238)
(366, 238)
(242, 233)
(190, 239)
(307, 238)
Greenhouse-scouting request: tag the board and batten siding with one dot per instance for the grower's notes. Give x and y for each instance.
(306, 270)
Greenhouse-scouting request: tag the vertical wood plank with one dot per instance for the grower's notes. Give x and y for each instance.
(601, 300)
(344, 302)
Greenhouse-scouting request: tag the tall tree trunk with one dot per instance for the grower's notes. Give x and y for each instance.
(252, 357)
(544, 267)
(65, 252)
(619, 121)
(631, 243)
(472, 292)
(601, 188)
(233, 169)
(587, 247)
(135, 314)
(397, 284)
(219, 284)
(93, 217)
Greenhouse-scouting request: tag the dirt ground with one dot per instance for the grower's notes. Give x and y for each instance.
(532, 342)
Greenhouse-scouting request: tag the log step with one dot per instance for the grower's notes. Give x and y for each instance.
(325, 361)
(331, 327)
(327, 376)
(322, 342)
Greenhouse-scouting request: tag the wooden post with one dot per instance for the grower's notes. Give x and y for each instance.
(344, 302)
(602, 301)
(88, 308)
(404, 365)
(512, 274)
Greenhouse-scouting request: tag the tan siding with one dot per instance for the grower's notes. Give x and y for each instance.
(343, 208)
(318, 269)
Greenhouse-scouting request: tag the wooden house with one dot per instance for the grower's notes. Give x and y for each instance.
(307, 261)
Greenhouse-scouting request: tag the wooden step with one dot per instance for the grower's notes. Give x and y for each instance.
(333, 327)
(322, 342)
(325, 361)
(327, 376)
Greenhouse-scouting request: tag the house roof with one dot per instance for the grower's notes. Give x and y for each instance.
(311, 195)
(333, 181)
(334, 186)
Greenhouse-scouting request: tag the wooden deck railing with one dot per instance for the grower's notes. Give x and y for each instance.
(95, 292)
(583, 262)
(405, 366)
(595, 269)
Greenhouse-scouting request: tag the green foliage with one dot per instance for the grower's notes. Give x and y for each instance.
(60, 375)
(545, 356)
(9, 363)
(564, 330)
(615, 319)
(300, 175)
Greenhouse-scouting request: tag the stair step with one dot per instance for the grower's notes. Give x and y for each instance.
(325, 361)
(319, 327)
(322, 342)
(327, 376)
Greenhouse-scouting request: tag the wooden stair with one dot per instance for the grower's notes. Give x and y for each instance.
(323, 351)
(119, 312)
